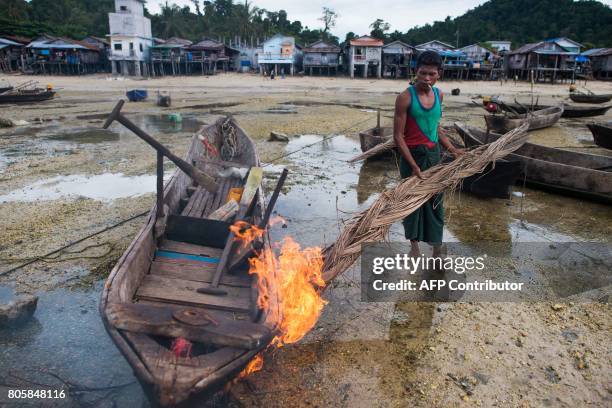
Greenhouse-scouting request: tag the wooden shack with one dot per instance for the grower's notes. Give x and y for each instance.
(63, 56)
(398, 59)
(601, 63)
(547, 59)
(320, 57)
(280, 54)
(170, 57)
(365, 54)
(209, 56)
(435, 45)
(10, 55)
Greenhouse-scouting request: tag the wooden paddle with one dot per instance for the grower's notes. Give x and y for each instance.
(248, 194)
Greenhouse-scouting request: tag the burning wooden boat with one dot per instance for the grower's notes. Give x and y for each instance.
(602, 134)
(569, 111)
(185, 328)
(564, 171)
(538, 119)
(26, 95)
(580, 97)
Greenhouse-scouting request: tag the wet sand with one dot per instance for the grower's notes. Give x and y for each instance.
(63, 178)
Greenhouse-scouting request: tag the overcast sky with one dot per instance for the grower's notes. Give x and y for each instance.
(357, 15)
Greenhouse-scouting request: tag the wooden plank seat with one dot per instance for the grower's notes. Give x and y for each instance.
(195, 271)
(200, 327)
(187, 248)
(184, 292)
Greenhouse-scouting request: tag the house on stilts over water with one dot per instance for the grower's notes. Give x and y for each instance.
(130, 37)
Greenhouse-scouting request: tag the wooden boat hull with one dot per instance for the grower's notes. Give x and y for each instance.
(26, 97)
(373, 137)
(572, 173)
(569, 111)
(150, 297)
(6, 89)
(602, 134)
(584, 98)
(538, 120)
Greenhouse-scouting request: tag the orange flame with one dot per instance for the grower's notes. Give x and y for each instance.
(256, 364)
(295, 276)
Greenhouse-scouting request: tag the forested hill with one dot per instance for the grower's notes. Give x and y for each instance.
(521, 21)
(214, 18)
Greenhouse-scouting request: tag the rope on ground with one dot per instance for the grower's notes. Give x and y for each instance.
(373, 224)
(74, 243)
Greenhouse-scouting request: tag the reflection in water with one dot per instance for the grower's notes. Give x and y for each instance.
(102, 187)
(375, 176)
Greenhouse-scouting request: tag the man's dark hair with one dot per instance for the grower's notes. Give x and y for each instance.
(429, 58)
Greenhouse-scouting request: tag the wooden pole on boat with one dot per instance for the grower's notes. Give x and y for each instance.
(160, 185)
(249, 251)
(248, 194)
(196, 175)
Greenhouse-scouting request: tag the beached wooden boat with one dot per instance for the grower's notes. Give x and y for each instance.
(537, 120)
(374, 136)
(580, 97)
(26, 96)
(568, 172)
(152, 299)
(602, 134)
(5, 89)
(569, 111)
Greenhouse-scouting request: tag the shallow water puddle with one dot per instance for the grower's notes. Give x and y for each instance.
(102, 187)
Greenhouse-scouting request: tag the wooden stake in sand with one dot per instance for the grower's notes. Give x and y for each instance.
(394, 204)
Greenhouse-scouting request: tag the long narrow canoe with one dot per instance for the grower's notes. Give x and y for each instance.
(579, 174)
(602, 134)
(537, 120)
(150, 300)
(21, 96)
(569, 111)
(580, 97)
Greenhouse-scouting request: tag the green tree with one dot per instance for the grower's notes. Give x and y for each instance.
(328, 18)
(379, 26)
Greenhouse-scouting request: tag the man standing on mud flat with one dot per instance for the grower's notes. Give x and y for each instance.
(418, 111)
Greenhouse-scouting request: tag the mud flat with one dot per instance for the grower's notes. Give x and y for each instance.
(63, 178)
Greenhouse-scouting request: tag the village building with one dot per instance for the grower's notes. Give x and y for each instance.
(166, 57)
(10, 55)
(103, 45)
(130, 37)
(546, 59)
(365, 54)
(280, 54)
(568, 44)
(601, 63)
(209, 56)
(56, 55)
(320, 57)
(398, 59)
(435, 45)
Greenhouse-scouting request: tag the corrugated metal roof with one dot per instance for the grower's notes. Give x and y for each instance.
(591, 51)
(47, 46)
(527, 48)
(368, 41)
(9, 42)
(602, 53)
(321, 46)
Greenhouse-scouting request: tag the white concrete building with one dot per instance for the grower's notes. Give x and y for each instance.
(130, 38)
